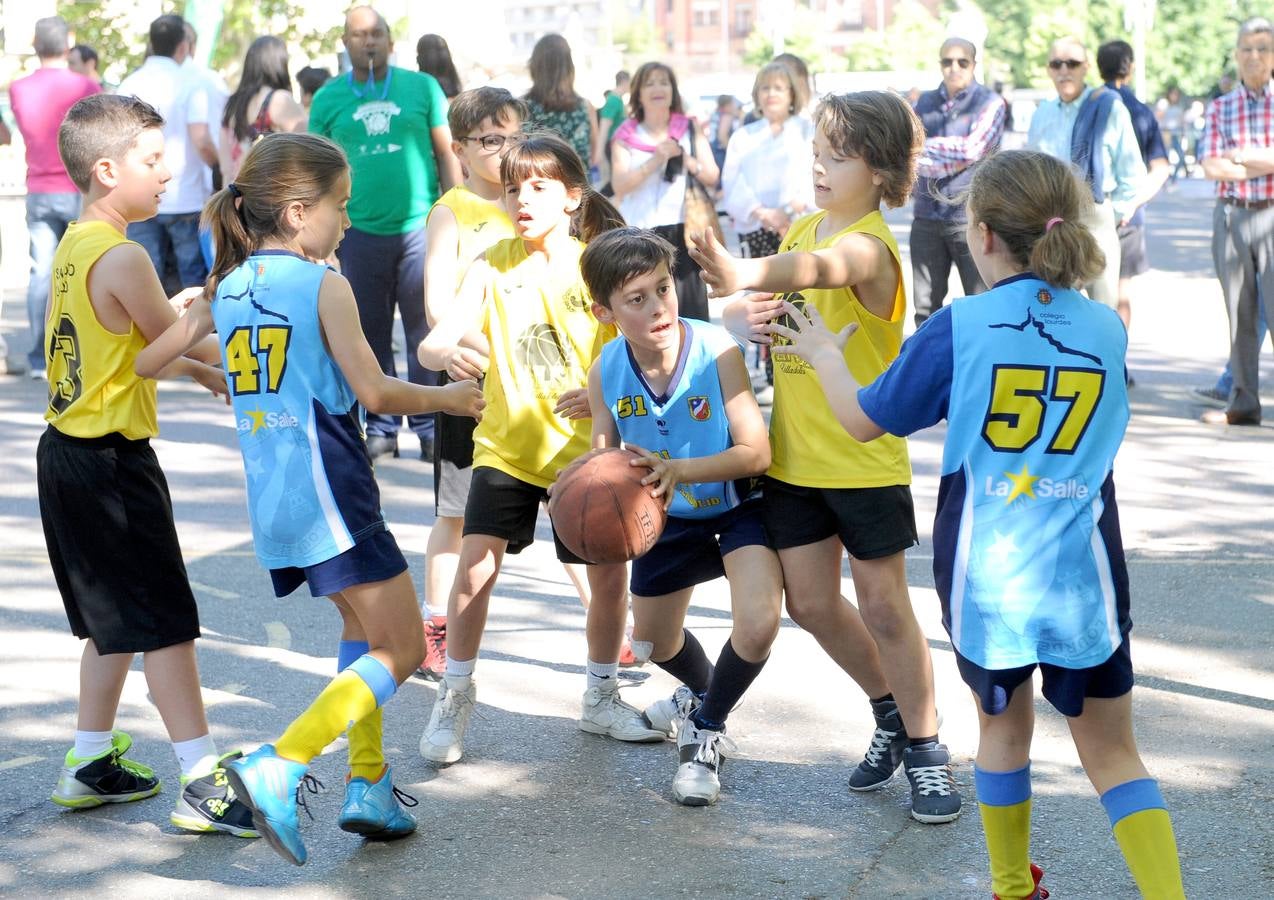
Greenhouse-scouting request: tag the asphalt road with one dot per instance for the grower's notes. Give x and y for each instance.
(540, 809)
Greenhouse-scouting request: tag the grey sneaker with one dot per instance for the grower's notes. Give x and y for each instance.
(698, 781)
(603, 712)
(1211, 396)
(934, 798)
(884, 756)
(667, 714)
(443, 740)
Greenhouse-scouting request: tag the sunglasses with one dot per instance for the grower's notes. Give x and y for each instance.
(947, 62)
(1069, 64)
(492, 142)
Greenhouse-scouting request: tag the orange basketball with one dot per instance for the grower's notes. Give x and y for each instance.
(601, 510)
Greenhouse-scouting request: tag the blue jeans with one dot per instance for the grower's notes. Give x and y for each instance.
(173, 237)
(388, 271)
(1226, 381)
(47, 218)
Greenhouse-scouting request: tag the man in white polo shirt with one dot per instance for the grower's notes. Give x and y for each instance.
(173, 235)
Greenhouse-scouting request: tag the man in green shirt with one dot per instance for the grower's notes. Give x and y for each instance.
(609, 118)
(392, 124)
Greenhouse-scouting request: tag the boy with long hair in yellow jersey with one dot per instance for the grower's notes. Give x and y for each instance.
(527, 299)
(485, 123)
(104, 502)
(823, 489)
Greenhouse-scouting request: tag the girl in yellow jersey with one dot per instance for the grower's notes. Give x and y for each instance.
(824, 489)
(527, 301)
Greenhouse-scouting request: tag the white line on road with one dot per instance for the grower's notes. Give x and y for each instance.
(19, 761)
(277, 636)
(215, 592)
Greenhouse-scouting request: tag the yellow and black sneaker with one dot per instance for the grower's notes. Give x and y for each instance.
(208, 803)
(105, 778)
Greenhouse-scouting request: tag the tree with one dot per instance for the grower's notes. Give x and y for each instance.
(804, 38)
(910, 42)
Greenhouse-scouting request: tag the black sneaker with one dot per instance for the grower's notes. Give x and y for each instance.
(105, 778)
(208, 803)
(934, 798)
(884, 756)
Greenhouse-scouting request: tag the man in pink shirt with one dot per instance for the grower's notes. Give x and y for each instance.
(40, 101)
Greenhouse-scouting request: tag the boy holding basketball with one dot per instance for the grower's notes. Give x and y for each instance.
(824, 492)
(676, 391)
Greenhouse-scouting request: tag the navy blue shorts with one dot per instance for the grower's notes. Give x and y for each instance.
(689, 551)
(1064, 688)
(375, 559)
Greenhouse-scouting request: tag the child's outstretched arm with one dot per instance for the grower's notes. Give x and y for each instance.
(378, 392)
(814, 343)
(166, 356)
(450, 345)
(749, 454)
(605, 432)
(856, 259)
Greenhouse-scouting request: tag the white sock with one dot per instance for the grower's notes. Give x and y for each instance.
(601, 672)
(459, 672)
(426, 612)
(197, 756)
(91, 743)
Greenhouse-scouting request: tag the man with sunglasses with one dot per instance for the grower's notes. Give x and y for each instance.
(964, 122)
(1092, 129)
(1238, 155)
(392, 124)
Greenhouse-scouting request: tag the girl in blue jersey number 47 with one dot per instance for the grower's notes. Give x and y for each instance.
(298, 367)
(1028, 559)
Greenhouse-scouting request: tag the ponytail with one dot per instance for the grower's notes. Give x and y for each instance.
(596, 215)
(1037, 206)
(224, 220)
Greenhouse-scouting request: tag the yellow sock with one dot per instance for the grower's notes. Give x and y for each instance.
(1143, 829)
(366, 754)
(348, 698)
(1004, 799)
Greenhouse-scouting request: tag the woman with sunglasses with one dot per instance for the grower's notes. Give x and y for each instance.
(964, 121)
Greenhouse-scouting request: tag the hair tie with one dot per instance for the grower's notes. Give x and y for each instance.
(234, 190)
(1048, 226)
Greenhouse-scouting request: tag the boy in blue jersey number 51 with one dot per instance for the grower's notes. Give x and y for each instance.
(1028, 559)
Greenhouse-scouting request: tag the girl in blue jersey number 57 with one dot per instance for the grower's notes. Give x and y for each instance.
(1028, 560)
(298, 368)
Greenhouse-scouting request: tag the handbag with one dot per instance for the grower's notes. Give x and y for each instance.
(699, 210)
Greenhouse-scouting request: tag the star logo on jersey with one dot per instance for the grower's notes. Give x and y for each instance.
(255, 420)
(258, 419)
(1003, 548)
(1023, 484)
(700, 408)
(1043, 296)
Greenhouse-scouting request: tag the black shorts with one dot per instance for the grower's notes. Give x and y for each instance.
(372, 559)
(506, 507)
(453, 437)
(1132, 251)
(108, 524)
(1064, 688)
(689, 551)
(872, 523)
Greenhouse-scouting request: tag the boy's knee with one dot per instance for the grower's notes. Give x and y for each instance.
(753, 638)
(887, 614)
(808, 612)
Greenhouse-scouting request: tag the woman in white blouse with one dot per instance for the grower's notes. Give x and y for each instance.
(767, 181)
(650, 156)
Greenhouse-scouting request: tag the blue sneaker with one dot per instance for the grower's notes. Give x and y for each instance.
(271, 786)
(372, 809)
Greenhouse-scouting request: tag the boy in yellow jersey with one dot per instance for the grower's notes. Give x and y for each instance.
(824, 489)
(107, 516)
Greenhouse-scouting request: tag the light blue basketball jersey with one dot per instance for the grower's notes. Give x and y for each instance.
(1033, 568)
(689, 421)
(311, 494)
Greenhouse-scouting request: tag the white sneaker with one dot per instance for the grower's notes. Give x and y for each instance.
(443, 740)
(697, 782)
(603, 712)
(666, 715)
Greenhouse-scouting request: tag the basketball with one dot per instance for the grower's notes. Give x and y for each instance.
(601, 510)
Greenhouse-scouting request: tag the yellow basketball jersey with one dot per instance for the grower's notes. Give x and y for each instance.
(543, 339)
(93, 390)
(809, 445)
(479, 224)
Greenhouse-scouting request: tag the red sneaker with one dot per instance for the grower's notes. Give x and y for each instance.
(435, 662)
(1037, 875)
(626, 657)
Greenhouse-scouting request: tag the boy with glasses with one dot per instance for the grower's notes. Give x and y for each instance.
(964, 122)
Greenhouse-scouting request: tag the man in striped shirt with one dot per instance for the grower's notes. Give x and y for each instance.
(964, 122)
(1238, 153)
